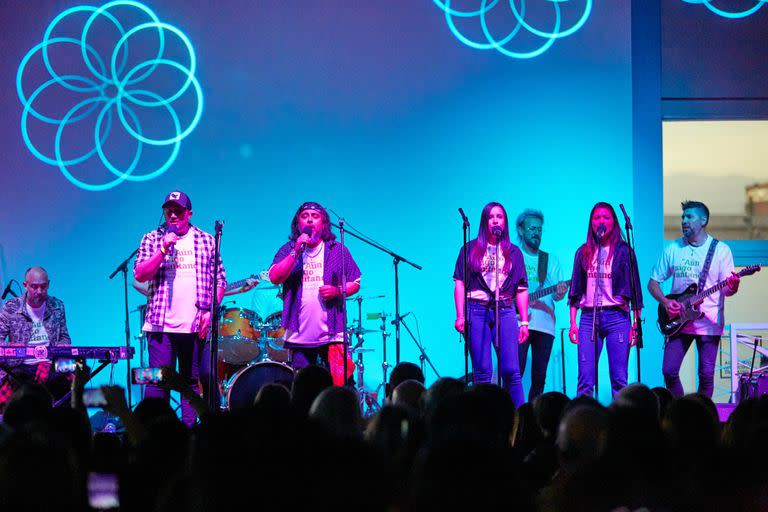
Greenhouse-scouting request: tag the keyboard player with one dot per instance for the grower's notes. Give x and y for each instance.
(35, 319)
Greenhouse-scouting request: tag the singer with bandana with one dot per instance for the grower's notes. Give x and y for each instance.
(309, 268)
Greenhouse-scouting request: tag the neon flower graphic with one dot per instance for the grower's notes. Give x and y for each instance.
(109, 87)
(513, 19)
(733, 14)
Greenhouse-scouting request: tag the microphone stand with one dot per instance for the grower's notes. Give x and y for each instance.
(634, 286)
(423, 357)
(123, 267)
(397, 260)
(467, 320)
(596, 306)
(344, 301)
(497, 313)
(214, 401)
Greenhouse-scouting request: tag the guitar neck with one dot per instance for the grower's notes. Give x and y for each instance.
(719, 286)
(542, 292)
(237, 284)
(262, 276)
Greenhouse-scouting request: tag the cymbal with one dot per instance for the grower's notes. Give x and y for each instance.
(361, 298)
(362, 350)
(270, 287)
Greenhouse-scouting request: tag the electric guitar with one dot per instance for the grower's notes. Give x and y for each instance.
(549, 290)
(690, 302)
(261, 276)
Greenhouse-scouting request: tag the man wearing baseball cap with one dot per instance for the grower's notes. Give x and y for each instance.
(309, 268)
(177, 261)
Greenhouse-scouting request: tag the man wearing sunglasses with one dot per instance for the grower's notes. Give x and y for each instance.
(177, 261)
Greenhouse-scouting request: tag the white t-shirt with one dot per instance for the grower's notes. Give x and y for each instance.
(181, 272)
(39, 334)
(488, 270)
(313, 316)
(599, 284)
(684, 262)
(542, 311)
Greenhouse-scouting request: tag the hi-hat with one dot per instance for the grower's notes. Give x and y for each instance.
(358, 330)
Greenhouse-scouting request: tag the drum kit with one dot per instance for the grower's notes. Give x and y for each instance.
(252, 353)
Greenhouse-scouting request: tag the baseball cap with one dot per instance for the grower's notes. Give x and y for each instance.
(178, 197)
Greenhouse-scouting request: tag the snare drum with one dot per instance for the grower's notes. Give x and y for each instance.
(238, 341)
(242, 388)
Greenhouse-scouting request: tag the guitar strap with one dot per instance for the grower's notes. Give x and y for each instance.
(542, 267)
(707, 263)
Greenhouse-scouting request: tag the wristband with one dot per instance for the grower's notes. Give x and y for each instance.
(293, 253)
(525, 323)
(162, 249)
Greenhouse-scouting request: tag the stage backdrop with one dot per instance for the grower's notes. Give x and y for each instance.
(377, 111)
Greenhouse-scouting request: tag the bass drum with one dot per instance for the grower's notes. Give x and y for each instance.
(244, 385)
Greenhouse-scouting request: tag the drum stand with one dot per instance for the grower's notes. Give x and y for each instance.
(368, 401)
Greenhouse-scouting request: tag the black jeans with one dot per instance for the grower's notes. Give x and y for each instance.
(541, 348)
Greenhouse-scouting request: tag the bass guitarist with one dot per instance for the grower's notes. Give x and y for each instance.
(696, 258)
(542, 268)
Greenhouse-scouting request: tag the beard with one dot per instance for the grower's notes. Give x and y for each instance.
(533, 243)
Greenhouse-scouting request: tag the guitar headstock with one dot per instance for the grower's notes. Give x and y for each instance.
(749, 270)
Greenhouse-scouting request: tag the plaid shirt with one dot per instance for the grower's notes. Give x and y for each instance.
(160, 286)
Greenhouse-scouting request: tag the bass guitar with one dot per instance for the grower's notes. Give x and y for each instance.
(690, 301)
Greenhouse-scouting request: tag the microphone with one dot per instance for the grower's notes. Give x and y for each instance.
(626, 217)
(464, 217)
(306, 231)
(496, 231)
(601, 231)
(8, 290)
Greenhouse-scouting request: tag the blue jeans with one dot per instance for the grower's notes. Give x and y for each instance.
(612, 325)
(194, 364)
(482, 336)
(541, 348)
(674, 351)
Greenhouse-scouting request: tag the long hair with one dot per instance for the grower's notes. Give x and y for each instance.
(325, 235)
(480, 243)
(592, 244)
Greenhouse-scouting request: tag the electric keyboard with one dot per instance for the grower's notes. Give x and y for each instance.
(12, 352)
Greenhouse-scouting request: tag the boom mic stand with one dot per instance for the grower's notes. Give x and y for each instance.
(123, 267)
(634, 286)
(397, 260)
(423, 356)
(214, 402)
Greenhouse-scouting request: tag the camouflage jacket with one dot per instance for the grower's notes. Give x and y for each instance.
(16, 324)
